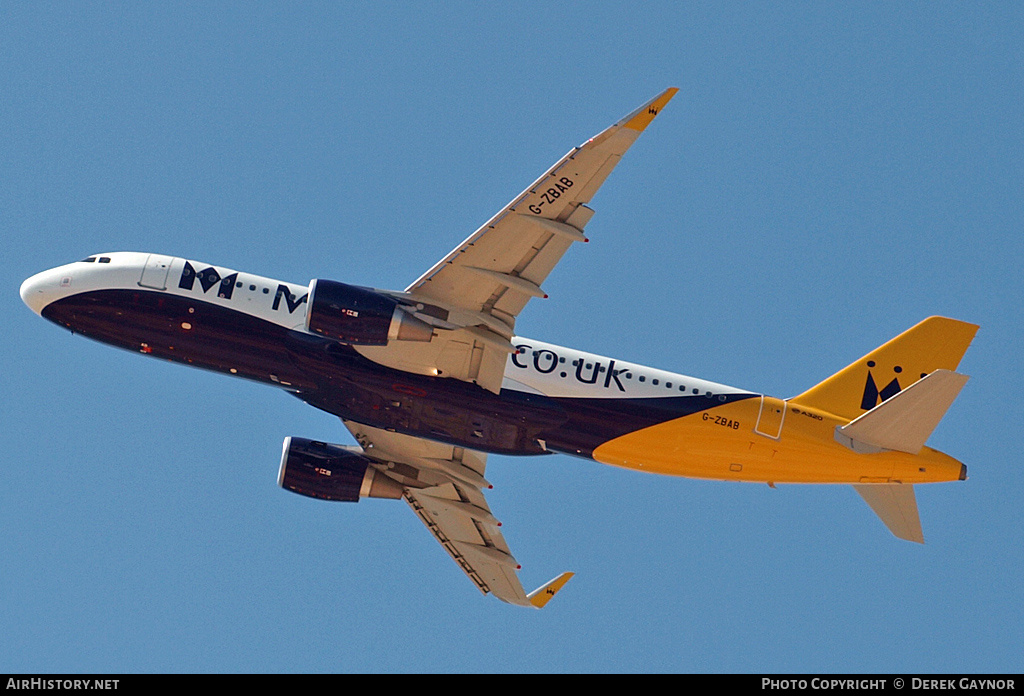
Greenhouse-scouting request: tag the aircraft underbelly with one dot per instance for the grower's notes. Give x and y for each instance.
(744, 438)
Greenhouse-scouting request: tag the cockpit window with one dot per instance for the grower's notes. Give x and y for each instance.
(104, 259)
(88, 260)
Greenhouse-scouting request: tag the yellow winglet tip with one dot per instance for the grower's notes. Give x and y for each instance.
(543, 594)
(642, 117)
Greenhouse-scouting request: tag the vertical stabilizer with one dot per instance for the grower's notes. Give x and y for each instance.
(937, 343)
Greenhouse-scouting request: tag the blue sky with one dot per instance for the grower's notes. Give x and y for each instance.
(829, 175)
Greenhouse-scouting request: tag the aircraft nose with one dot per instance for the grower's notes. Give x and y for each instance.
(42, 289)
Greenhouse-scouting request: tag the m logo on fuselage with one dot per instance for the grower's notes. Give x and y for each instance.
(289, 298)
(872, 396)
(208, 277)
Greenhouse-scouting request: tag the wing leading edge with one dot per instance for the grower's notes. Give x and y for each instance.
(498, 268)
(444, 486)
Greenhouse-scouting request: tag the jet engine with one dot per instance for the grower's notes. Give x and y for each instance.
(332, 472)
(360, 316)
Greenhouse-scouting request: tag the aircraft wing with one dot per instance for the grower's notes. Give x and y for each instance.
(502, 265)
(444, 486)
(497, 269)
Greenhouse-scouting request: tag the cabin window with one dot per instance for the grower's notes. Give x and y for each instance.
(654, 382)
(642, 378)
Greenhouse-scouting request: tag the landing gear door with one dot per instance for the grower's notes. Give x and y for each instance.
(771, 417)
(154, 275)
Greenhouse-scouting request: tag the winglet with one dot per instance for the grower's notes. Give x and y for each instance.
(642, 117)
(543, 594)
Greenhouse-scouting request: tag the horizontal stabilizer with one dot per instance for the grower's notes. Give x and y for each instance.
(895, 504)
(904, 421)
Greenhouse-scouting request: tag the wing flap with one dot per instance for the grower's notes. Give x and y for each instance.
(482, 554)
(444, 485)
(480, 579)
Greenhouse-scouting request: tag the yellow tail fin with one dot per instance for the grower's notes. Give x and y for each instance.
(936, 343)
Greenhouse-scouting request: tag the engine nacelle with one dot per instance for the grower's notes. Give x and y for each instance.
(360, 316)
(331, 472)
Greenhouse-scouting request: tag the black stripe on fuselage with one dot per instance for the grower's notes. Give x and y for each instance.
(335, 378)
(592, 422)
(183, 330)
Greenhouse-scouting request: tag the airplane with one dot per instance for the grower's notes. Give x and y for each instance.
(432, 379)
